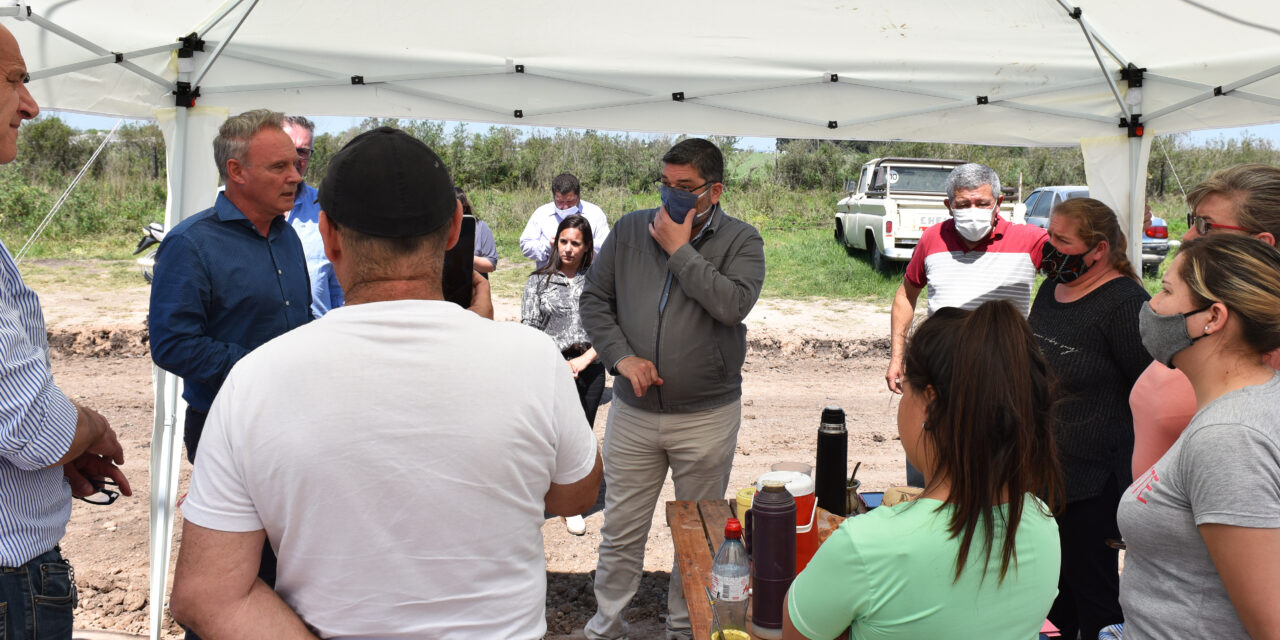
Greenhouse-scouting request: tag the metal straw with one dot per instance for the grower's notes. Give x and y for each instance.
(715, 615)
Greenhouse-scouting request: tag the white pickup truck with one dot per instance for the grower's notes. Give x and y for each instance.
(892, 203)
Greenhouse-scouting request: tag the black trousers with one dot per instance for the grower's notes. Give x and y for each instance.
(191, 432)
(590, 383)
(590, 390)
(1089, 584)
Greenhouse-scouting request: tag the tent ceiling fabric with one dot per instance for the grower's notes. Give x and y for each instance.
(910, 70)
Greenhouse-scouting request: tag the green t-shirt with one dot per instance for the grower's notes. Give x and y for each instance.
(889, 574)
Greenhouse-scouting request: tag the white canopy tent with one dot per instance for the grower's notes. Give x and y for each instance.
(1105, 75)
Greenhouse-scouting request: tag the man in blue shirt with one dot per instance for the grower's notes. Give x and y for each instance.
(326, 293)
(43, 435)
(233, 276)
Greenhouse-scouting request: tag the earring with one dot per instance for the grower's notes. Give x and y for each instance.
(1206, 329)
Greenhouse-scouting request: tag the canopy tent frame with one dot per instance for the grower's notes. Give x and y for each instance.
(190, 179)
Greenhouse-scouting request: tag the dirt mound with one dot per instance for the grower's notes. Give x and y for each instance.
(100, 342)
(812, 347)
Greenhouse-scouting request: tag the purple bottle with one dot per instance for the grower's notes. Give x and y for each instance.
(773, 556)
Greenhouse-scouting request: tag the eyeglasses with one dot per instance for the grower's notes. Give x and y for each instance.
(303, 152)
(1203, 226)
(660, 183)
(103, 496)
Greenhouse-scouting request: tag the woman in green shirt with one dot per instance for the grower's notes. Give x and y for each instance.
(977, 554)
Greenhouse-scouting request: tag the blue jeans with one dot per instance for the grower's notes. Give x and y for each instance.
(37, 600)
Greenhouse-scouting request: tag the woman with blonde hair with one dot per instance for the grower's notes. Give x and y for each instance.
(1203, 524)
(1240, 200)
(1085, 319)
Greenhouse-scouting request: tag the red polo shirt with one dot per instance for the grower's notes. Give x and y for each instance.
(1002, 266)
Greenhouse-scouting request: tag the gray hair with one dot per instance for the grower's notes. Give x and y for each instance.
(301, 121)
(234, 135)
(972, 176)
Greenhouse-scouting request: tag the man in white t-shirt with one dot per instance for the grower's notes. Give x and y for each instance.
(566, 200)
(400, 477)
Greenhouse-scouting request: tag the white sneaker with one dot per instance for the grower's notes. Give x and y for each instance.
(576, 525)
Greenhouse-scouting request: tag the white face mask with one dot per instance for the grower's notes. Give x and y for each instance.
(563, 213)
(974, 223)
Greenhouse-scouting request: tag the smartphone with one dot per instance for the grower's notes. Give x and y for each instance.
(459, 263)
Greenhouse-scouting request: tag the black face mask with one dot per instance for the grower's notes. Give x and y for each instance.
(1061, 267)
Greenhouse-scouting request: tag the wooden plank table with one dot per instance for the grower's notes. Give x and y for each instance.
(697, 530)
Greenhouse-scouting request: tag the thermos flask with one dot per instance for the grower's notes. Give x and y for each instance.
(772, 521)
(833, 461)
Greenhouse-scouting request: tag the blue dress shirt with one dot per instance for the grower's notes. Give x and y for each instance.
(37, 425)
(326, 293)
(220, 291)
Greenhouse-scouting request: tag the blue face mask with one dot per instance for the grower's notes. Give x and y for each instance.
(678, 202)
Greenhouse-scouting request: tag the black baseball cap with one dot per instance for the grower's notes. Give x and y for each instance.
(387, 183)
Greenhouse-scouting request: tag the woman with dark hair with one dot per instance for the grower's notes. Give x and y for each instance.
(1085, 319)
(550, 304)
(1202, 525)
(485, 259)
(976, 555)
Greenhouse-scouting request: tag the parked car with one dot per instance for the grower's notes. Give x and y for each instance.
(891, 204)
(1041, 202)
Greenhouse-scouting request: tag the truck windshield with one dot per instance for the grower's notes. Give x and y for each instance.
(919, 179)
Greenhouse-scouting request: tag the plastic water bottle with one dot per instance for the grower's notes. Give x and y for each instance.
(730, 577)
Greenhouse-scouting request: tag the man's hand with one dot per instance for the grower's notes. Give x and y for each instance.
(87, 472)
(481, 300)
(893, 377)
(106, 444)
(900, 317)
(640, 372)
(93, 435)
(670, 234)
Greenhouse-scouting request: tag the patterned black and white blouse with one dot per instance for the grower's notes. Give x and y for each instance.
(551, 305)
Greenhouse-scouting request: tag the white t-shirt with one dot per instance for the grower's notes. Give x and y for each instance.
(399, 475)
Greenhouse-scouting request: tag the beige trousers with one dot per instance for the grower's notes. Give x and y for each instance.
(639, 448)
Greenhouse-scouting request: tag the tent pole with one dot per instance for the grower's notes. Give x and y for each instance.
(195, 82)
(1115, 91)
(165, 450)
(203, 29)
(1137, 202)
(54, 28)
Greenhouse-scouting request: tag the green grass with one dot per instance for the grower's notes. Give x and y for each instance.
(98, 275)
(809, 263)
(802, 257)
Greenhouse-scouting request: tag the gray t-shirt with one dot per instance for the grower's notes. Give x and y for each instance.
(1223, 469)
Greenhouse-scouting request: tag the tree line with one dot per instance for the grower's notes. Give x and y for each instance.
(125, 188)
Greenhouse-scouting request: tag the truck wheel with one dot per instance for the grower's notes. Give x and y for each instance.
(848, 248)
(878, 262)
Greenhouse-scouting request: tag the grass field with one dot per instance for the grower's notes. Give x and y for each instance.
(802, 256)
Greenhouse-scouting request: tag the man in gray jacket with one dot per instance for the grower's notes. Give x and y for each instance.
(664, 303)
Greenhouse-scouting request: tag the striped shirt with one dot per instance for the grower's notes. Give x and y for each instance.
(1000, 267)
(37, 425)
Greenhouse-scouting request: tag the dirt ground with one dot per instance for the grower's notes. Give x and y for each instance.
(803, 356)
